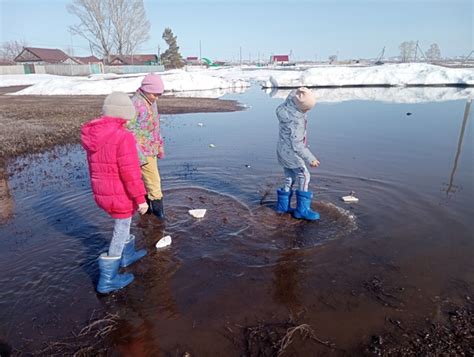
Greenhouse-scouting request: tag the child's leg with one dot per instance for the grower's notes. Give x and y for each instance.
(290, 178)
(151, 178)
(121, 234)
(302, 178)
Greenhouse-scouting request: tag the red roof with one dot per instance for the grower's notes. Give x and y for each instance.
(191, 58)
(4, 62)
(280, 58)
(135, 59)
(49, 55)
(87, 59)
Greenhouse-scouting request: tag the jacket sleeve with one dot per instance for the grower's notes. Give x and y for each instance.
(129, 168)
(298, 140)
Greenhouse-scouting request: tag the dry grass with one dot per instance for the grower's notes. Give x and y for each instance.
(90, 341)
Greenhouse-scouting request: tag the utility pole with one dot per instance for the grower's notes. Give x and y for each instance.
(72, 47)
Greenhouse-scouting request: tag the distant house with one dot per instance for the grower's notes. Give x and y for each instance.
(87, 59)
(134, 60)
(279, 59)
(34, 55)
(192, 60)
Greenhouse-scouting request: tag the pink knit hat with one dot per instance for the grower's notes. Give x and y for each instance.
(304, 99)
(152, 83)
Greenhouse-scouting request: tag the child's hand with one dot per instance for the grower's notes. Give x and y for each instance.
(142, 208)
(314, 163)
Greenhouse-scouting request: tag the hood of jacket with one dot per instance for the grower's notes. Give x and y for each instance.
(288, 110)
(96, 133)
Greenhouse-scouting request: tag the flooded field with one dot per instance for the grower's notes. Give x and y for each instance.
(244, 280)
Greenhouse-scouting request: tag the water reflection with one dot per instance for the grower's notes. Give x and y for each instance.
(287, 280)
(388, 95)
(209, 93)
(451, 187)
(6, 199)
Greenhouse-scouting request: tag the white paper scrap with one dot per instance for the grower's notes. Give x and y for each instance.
(163, 242)
(197, 213)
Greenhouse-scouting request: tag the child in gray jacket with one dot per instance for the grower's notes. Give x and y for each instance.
(293, 154)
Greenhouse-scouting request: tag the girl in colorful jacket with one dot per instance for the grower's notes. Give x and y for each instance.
(146, 128)
(116, 185)
(293, 153)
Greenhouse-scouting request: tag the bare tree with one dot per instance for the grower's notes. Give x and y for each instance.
(130, 25)
(95, 24)
(110, 26)
(407, 51)
(433, 53)
(10, 49)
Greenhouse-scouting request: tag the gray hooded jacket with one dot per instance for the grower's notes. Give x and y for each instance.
(291, 148)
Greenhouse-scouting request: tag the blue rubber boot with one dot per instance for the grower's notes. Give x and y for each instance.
(284, 201)
(110, 280)
(129, 254)
(303, 206)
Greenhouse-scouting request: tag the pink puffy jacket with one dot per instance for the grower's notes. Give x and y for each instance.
(113, 166)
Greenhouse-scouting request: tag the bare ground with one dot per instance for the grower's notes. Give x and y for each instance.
(30, 124)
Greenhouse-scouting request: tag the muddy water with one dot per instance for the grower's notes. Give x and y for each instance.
(397, 255)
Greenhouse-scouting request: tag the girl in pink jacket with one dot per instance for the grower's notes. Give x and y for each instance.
(116, 184)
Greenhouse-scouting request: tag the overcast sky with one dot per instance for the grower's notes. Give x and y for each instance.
(308, 29)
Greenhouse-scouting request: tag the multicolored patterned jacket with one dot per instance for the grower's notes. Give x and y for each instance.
(146, 128)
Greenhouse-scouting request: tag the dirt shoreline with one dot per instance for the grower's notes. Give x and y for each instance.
(31, 124)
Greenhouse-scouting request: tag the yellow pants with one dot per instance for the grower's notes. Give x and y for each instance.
(151, 178)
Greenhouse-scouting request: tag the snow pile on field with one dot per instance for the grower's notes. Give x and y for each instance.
(409, 95)
(238, 79)
(404, 74)
(9, 80)
(174, 81)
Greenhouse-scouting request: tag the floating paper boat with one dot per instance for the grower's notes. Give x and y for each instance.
(163, 242)
(197, 213)
(200, 124)
(350, 199)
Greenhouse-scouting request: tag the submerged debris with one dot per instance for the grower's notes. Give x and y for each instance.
(276, 339)
(453, 337)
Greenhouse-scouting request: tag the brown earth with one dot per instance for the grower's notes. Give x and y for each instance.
(30, 124)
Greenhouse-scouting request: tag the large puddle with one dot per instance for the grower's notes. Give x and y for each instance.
(396, 255)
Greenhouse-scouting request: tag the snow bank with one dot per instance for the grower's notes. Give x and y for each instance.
(174, 81)
(389, 95)
(9, 80)
(405, 74)
(212, 81)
